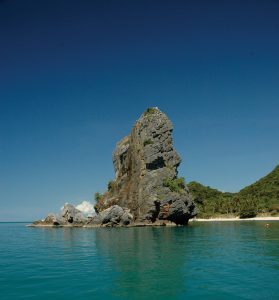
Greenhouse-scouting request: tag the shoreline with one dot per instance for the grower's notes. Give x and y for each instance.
(224, 219)
(159, 224)
(155, 224)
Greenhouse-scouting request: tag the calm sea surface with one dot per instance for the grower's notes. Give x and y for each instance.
(222, 260)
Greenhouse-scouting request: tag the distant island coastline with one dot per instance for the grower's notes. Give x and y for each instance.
(258, 199)
(224, 219)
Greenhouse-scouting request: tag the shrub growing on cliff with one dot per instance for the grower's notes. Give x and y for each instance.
(112, 186)
(147, 142)
(98, 196)
(176, 184)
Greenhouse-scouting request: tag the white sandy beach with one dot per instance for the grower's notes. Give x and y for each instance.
(235, 219)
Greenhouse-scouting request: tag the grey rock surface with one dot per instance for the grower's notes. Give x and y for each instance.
(72, 215)
(113, 216)
(51, 219)
(143, 161)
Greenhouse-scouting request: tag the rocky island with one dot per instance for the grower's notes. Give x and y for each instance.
(146, 189)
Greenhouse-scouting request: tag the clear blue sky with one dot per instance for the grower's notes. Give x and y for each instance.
(76, 75)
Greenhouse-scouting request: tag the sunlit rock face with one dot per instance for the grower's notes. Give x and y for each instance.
(113, 216)
(145, 164)
(71, 215)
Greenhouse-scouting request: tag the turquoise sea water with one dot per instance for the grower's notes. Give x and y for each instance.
(222, 260)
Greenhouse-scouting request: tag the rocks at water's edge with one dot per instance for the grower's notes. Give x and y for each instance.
(70, 216)
(146, 189)
(112, 216)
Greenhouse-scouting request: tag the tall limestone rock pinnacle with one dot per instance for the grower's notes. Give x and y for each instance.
(146, 181)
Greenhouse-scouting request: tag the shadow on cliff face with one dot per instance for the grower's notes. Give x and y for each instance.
(144, 262)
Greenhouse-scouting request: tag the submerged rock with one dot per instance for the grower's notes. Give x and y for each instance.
(146, 182)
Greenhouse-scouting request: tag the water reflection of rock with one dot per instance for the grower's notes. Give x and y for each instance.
(147, 261)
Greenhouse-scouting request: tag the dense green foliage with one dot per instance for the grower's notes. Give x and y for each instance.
(175, 185)
(98, 196)
(112, 185)
(260, 197)
(210, 201)
(264, 192)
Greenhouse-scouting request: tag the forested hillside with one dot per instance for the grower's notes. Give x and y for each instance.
(257, 198)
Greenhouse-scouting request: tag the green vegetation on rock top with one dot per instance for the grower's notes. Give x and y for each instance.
(150, 111)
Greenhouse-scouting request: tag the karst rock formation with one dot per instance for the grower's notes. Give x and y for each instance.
(146, 181)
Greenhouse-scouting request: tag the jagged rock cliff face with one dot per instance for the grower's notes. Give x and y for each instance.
(146, 182)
